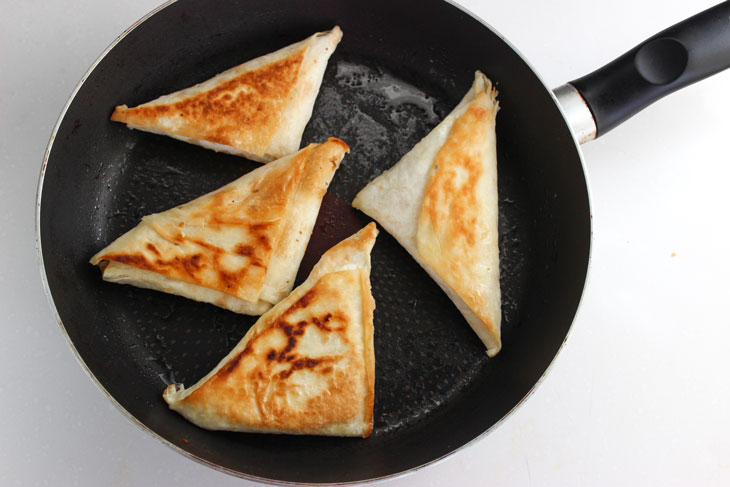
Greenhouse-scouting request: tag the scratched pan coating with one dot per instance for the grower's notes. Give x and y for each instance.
(435, 388)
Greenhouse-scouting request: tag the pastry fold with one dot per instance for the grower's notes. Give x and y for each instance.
(307, 366)
(257, 110)
(440, 201)
(238, 247)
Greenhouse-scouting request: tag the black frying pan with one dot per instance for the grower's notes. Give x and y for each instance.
(400, 68)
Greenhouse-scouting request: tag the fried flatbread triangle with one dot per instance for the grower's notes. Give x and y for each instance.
(307, 366)
(440, 202)
(256, 110)
(238, 247)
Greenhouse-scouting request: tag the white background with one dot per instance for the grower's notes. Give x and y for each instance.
(640, 393)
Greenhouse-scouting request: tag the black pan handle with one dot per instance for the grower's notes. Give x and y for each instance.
(674, 58)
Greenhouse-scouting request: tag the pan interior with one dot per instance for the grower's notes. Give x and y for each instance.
(435, 387)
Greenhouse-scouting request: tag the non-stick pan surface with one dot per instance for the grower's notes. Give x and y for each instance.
(400, 68)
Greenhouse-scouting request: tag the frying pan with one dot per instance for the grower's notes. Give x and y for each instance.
(396, 73)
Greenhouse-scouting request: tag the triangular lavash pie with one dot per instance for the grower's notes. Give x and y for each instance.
(256, 110)
(440, 202)
(307, 366)
(238, 247)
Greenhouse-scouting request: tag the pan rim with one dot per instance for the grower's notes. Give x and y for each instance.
(235, 473)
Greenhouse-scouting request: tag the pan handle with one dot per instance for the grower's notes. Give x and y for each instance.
(674, 58)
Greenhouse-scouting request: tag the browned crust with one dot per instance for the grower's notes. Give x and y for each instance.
(243, 112)
(341, 142)
(254, 387)
(368, 309)
(119, 114)
(191, 259)
(451, 204)
(323, 161)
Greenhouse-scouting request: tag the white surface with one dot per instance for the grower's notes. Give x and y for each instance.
(638, 396)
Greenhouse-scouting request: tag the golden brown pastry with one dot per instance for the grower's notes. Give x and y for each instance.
(440, 202)
(256, 110)
(238, 247)
(307, 366)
